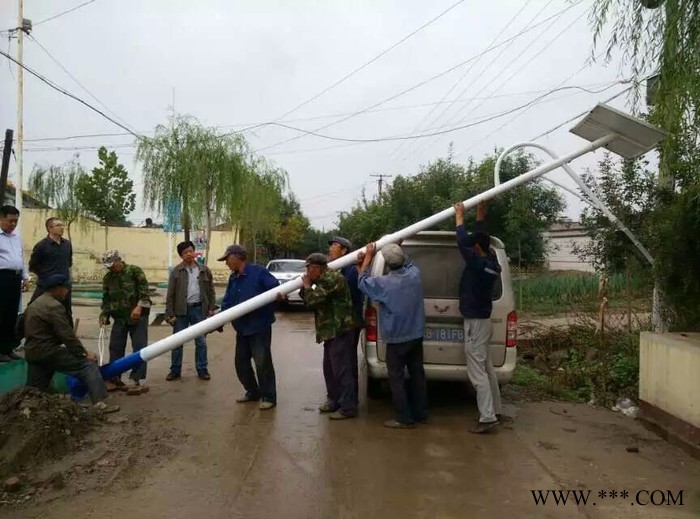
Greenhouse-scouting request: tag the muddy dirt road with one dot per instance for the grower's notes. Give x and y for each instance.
(234, 461)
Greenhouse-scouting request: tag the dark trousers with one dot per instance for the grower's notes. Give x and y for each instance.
(66, 302)
(354, 360)
(258, 347)
(338, 371)
(40, 373)
(407, 355)
(10, 295)
(138, 331)
(193, 316)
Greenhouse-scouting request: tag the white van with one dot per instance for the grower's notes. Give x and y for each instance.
(437, 256)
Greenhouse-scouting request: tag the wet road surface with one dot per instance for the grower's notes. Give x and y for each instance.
(292, 462)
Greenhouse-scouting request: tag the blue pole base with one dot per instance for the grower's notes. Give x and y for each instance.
(78, 390)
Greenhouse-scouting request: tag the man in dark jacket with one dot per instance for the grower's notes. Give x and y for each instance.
(327, 294)
(190, 299)
(51, 345)
(481, 272)
(52, 255)
(253, 330)
(337, 248)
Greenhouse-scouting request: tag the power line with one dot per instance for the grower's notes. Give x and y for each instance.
(464, 74)
(55, 60)
(498, 115)
(422, 83)
(67, 93)
(64, 12)
(326, 116)
(368, 63)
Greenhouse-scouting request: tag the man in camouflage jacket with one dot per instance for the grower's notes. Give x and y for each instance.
(125, 299)
(327, 293)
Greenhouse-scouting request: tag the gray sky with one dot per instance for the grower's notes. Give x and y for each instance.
(232, 63)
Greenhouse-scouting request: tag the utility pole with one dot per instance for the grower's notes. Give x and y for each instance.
(380, 181)
(6, 152)
(22, 27)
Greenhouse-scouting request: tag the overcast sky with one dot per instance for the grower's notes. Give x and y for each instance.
(237, 63)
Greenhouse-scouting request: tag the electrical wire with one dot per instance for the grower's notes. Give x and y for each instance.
(468, 70)
(422, 83)
(62, 13)
(368, 63)
(55, 60)
(67, 93)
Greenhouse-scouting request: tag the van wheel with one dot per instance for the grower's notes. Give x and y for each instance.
(374, 388)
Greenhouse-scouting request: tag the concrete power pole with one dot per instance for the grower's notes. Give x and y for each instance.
(380, 181)
(22, 27)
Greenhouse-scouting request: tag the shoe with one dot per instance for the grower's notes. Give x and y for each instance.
(246, 398)
(172, 376)
(264, 406)
(105, 408)
(112, 386)
(339, 415)
(204, 375)
(13, 356)
(395, 424)
(483, 427)
(327, 407)
(5, 358)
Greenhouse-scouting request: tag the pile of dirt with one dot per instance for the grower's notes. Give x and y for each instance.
(36, 426)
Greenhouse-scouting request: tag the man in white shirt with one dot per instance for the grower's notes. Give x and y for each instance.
(13, 280)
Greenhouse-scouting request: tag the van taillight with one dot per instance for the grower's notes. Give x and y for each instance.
(512, 330)
(371, 324)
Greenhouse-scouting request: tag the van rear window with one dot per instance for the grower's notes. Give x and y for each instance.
(441, 268)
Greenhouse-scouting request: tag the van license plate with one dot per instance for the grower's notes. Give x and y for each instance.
(444, 334)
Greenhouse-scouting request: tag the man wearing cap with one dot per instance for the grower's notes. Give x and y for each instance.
(327, 294)
(51, 345)
(339, 247)
(475, 289)
(253, 330)
(189, 300)
(401, 322)
(125, 298)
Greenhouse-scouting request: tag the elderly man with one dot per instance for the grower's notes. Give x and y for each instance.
(327, 294)
(13, 280)
(475, 289)
(253, 330)
(190, 299)
(51, 345)
(402, 322)
(52, 255)
(337, 248)
(126, 299)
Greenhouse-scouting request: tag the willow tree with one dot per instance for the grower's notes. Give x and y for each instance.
(194, 167)
(56, 187)
(660, 40)
(257, 210)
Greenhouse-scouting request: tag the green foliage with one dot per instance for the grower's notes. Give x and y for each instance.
(57, 187)
(628, 189)
(666, 41)
(107, 194)
(518, 217)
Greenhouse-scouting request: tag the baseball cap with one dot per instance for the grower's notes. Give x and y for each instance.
(235, 249)
(393, 256)
(54, 280)
(317, 259)
(111, 257)
(343, 242)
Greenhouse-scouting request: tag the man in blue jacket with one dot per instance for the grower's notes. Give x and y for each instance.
(253, 330)
(475, 290)
(401, 323)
